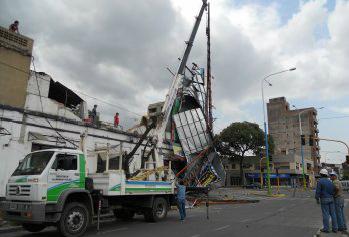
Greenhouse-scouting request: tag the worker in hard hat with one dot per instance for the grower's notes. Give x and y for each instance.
(325, 191)
(339, 202)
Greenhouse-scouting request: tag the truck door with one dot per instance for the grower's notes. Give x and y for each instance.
(63, 175)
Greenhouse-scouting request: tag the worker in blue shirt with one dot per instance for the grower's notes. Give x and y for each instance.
(181, 199)
(325, 191)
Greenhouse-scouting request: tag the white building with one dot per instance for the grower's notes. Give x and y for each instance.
(37, 113)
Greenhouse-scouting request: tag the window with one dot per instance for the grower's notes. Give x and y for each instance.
(33, 163)
(284, 167)
(65, 162)
(308, 166)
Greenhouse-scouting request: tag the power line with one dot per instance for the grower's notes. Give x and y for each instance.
(16, 68)
(335, 117)
(108, 103)
(42, 108)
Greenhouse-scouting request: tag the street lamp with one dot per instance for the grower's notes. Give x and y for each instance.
(264, 79)
(301, 134)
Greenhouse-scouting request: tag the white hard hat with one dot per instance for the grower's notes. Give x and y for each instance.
(324, 172)
(333, 173)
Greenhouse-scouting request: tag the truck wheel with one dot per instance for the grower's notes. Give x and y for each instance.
(33, 227)
(74, 220)
(158, 212)
(124, 214)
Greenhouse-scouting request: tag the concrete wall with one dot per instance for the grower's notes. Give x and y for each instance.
(49, 106)
(15, 58)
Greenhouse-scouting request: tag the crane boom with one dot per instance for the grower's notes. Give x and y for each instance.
(190, 42)
(170, 98)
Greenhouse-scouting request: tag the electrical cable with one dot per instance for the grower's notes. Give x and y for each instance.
(336, 117)
(108, 103)
(42, 108)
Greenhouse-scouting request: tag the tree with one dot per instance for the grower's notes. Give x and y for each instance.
(238, 139)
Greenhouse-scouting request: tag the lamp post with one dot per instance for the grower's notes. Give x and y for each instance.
(301, 134)
(264, 79)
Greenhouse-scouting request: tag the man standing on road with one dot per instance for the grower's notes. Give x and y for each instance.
(324, 194)
(181, 199)
(339, 202)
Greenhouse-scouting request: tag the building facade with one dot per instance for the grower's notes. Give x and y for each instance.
(283, 126)
(37, 113)
(255, 171)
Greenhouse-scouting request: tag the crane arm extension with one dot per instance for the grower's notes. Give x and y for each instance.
(143, 137)
(166, 110)
(190, 42)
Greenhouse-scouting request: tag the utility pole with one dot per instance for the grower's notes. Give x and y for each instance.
(301, 138)
(264, 80)
(208, 104)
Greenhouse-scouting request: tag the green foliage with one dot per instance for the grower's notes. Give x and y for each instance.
(240, 138)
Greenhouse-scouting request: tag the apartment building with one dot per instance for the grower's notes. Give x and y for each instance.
(284, 127)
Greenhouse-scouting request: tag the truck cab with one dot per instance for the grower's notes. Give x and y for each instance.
(38, 189)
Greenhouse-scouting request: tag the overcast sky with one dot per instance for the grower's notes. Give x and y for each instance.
(118, 51)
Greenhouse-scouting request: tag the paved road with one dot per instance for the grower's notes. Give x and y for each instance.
(270, 217)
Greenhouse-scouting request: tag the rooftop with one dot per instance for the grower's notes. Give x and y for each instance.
(16, 41)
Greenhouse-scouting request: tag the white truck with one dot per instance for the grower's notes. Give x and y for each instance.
(51, 187)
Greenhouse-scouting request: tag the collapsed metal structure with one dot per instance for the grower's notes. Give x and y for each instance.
(187, 116)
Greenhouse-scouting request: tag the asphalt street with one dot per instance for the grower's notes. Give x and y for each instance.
(269, 217)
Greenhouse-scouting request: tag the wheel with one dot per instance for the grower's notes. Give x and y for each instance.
(124, 214)
(74, 220)
(158, 212)
(33, 227)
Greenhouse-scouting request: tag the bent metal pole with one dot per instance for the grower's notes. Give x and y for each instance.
(333, 140)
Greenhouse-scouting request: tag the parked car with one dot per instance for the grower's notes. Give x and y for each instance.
(345, 185)
(252, 186)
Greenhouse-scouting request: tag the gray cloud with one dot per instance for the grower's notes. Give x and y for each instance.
(111, 49)
(118, 50)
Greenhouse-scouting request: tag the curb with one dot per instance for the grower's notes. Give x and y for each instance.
(272, 195)
(213, 202)
(10, 229)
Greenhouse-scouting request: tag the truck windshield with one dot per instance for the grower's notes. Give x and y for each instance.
(33, 163)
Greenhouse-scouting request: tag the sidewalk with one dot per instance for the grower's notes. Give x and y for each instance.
(344, 234)
(339, 234)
